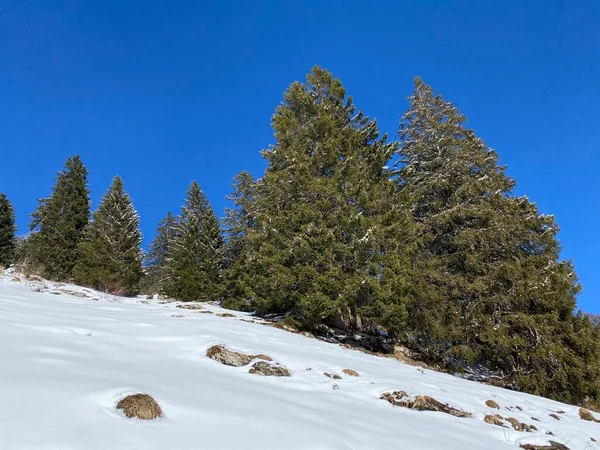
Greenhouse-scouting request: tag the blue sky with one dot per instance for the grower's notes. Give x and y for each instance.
(162, 92)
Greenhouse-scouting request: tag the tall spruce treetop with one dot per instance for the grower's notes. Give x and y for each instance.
(7, 232)
(195, 256)
(502, 296)
(59, 222)
(318, 249)
(110, 254)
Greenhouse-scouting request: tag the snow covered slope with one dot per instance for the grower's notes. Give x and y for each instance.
(65, 361)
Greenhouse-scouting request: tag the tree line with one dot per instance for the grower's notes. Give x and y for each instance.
(420, 239)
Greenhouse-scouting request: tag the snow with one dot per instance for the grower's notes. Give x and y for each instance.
(67, 361)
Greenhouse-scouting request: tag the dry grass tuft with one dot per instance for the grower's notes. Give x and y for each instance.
(555, 416)
(584, 414)
(269, 370)
(494, 419)
(352, 373)
(335, 376)
(492, 404)
(141, 406)
(422, 403)
(552, 446)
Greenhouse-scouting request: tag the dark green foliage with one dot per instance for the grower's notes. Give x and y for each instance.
(7, 232)
(237, 222)
(59, 221)
(156, 258)
(195, 255)
(110, 255)
(328, 239)
(501, 296)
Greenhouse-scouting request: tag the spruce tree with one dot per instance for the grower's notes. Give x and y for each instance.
(156, 258)
(501, 296)
(238, 220)
(195, 255)
(7, 232)
(59, 221)
(110, 256)
(329, 243)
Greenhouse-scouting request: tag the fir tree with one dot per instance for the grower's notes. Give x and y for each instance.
(156, 258)
(7, 232)
(195, 256)
(110, 255)
(59, 221)
(501, 295)
(329, 243)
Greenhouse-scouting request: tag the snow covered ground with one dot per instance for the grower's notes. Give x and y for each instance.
(65, 361)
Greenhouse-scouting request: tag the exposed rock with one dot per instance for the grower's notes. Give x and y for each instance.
(494, 419)
(141, 406)
(269, 370)
(555, 416)
(350, 372)
(492, 404)
(422, 403)
(584, 414)
(225, 315)
(228, 357)
(204, 312)
(263, 357)
(335, 376)
(552, 446)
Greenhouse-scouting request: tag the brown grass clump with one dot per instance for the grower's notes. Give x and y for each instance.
(225, 315)
(350, 372)
(193, 306)
(141, 406)
(520, 426)
(422, 403)
(584, 414)
(335, 376)
(494, 419)
(555, 416)
(263, 357)
(492, 404)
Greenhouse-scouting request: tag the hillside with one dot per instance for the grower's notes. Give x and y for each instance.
(70, 354)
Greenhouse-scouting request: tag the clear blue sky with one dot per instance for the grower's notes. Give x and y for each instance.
(164, 92)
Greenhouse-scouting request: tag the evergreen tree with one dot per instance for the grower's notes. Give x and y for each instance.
(110, 255)
(501, 295)
(7, 232)
(238, 220)
(156, 258)
(329, 242)
(59, 221)
(195, 256)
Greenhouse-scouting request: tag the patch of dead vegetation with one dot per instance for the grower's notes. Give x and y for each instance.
(334, 376)
(177, 316)
(422, 403)
(584, 414)
(521, 426)
(205, 311)
(555, 416)
(141, 406)
(552, 446)
(350, 372)
(494, 419)
(225, 315)
(269, 370)
(193, 306)
(74, 293)
(492, 404)
(263, 357)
